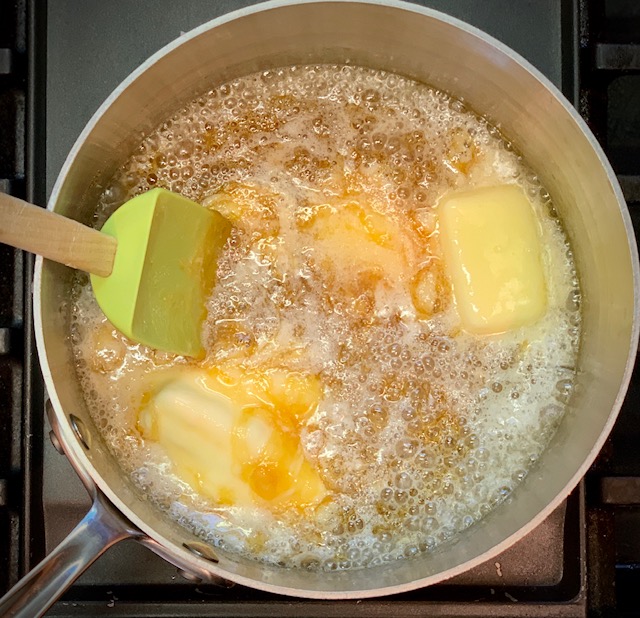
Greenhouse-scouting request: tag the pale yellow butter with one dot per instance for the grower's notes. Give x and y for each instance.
(234, 440)
(491, 248)
(195, 424)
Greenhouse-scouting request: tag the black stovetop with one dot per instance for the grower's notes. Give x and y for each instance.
(62, 60)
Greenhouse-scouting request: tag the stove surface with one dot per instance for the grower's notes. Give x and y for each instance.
(91, 48)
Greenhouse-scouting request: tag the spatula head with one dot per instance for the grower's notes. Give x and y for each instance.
(164, 270)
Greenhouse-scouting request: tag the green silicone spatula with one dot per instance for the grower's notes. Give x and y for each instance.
(152, 265)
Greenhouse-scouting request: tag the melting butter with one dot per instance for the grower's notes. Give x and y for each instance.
(490, 242)
(234, 436)
(352, 238)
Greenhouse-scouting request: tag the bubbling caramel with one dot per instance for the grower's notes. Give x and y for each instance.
(333, 336)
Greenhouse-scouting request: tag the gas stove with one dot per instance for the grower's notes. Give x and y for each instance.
(58, 62)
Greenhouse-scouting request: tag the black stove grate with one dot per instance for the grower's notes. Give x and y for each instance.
(21, 388)
(13, 83)
(610, 103)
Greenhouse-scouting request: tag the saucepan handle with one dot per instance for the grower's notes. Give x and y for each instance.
(102, 527)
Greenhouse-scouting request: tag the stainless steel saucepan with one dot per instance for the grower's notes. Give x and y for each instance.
(431, 48)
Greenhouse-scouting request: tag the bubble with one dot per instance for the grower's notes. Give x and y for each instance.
(387, 493)
(184, 149)
(573, 300)
(409, 414)
(564, 390)
(406, 448)
(428, 363)
(378, 416)
(403, 481)
(411, 551)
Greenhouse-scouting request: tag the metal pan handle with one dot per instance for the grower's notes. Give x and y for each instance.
(102, 527)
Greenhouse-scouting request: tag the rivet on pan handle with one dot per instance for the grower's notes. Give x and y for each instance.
(202, 550)
(80, 430)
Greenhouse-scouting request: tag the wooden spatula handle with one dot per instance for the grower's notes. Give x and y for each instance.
(57, 238)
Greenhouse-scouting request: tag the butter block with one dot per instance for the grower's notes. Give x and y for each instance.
(226, 440)
(195, 425)
(492, 254)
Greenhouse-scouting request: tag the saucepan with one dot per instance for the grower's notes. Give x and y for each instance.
(429, 47)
